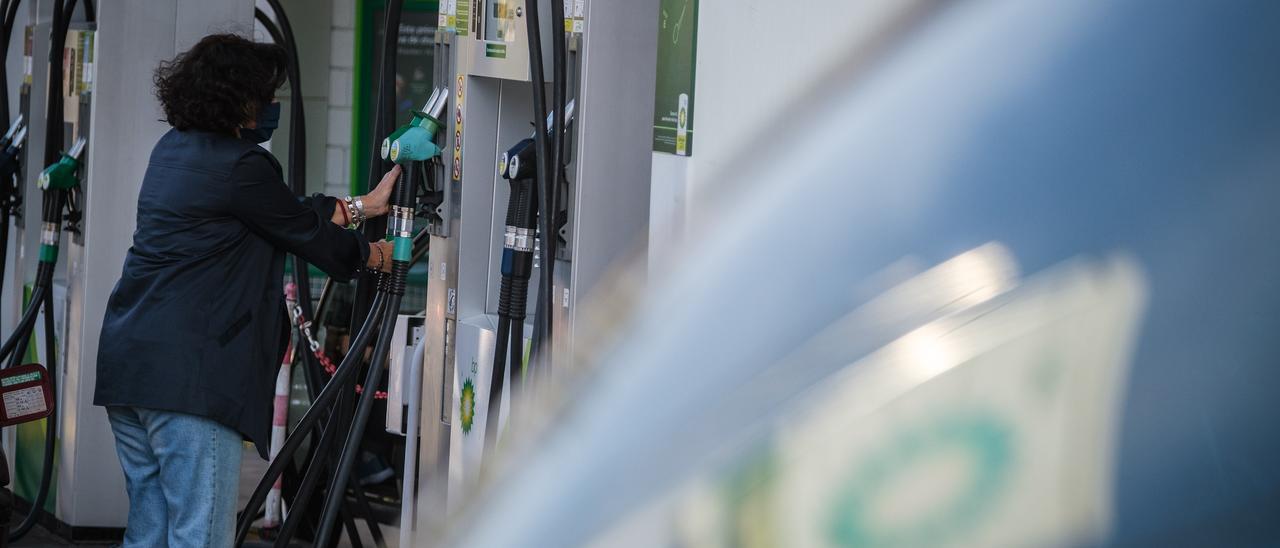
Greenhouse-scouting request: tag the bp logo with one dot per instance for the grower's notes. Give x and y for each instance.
(983, 442)
(467, 406)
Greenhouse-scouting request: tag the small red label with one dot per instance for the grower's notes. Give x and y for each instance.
(25, 394)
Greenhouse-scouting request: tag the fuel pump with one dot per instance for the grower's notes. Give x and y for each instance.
(98, 86)
(58, 180)
(514, 62)
(10, 193)
(410, 148)
(10, 147)
(519, 166)
(10, 175)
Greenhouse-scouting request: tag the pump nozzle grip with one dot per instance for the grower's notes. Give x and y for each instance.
(62, 174)
(414, 145)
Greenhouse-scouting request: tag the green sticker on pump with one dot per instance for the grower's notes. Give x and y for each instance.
(20, 379)
(462, 17)
(495, 51)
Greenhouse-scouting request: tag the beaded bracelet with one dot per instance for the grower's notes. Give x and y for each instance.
(381, 257)
(346, 215)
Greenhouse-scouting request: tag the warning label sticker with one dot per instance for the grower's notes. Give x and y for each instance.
(27, 401)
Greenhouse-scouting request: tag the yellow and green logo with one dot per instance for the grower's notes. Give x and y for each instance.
(467, 406)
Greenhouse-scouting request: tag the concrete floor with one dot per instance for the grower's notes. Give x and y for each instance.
(252, 468)
(39, 537)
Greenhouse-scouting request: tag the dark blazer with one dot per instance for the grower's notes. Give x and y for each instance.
(197, 323)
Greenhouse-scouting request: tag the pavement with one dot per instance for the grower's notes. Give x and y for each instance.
(252, 468)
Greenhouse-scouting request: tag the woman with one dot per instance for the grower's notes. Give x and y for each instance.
(195, 328)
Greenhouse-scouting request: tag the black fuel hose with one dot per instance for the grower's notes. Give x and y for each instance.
(22, 338)
(25, 324)
(517, 264)
(50, 432)
(273, 30)
(320, 406)
(318, 461)
(542, 149)
(509, 337)
(521, 272)
(383, 123)
(5, 219)
(549, 188)
(501, 341)
(346, 460)
(402, 201)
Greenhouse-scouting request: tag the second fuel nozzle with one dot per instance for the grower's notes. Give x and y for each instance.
(62, 174)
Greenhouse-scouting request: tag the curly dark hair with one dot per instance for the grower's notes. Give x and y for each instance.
(220, 83)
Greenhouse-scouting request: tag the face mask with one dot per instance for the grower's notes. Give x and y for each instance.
(268, 121)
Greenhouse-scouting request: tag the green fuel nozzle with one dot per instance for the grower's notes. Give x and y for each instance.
(415, 141)
(62, 174)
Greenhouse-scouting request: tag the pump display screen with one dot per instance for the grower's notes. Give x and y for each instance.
(500, 20)
(25, 394)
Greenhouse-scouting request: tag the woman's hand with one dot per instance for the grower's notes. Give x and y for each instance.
(375, 203)
(380, 256)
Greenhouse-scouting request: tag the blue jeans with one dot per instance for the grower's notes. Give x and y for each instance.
(183, 476)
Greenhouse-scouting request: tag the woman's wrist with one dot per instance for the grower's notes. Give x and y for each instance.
(372, 209)
(379, 257)
(356, 210)
(341, 213)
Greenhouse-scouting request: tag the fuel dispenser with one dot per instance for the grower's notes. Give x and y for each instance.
(11, 146)
(70, 259)
(67, 92)
(592, 208)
